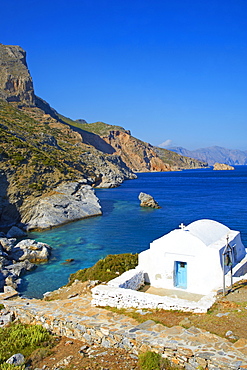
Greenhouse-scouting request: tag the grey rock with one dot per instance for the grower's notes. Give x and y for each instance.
(5, 317)
(11, 281)
(105, 343)
(147, 201)
(31, 250)
(15, 232)
(17, 359)
(7, 244)
(69, 202)
(230, 335)
(20, 267)
(110, 170)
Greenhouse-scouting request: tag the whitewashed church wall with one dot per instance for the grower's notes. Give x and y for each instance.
(104, 295)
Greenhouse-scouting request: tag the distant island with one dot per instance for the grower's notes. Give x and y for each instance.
(213, 154)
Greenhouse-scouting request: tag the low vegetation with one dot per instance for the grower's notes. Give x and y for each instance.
(29, 340)
(154, 361)
(107, 268)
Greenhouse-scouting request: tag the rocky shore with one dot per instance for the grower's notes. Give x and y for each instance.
(18, 257)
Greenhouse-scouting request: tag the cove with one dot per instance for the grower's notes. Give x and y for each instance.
(125, 227)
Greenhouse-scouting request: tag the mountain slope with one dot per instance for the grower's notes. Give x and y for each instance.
(137, 155)
(215, 154)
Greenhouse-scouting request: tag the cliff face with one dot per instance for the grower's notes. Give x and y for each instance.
(137, 155)
(16, 84)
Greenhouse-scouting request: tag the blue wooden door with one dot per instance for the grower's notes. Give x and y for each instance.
(181, 274)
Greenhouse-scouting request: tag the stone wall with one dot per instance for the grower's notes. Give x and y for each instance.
(75, 318)
(121, 292)
(104, 295)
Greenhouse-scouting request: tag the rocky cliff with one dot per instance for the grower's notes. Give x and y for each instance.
(43, 152)
(16, 84)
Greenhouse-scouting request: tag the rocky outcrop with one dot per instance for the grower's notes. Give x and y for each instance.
(30, 250)
(18, 257)
(147, 201)
(68, 202)
(16, 84)
(222, 167)
(110, 170)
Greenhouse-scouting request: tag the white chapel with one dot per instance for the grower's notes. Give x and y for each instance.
(196, 258)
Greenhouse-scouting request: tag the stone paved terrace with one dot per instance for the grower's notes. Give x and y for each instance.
(76, 318)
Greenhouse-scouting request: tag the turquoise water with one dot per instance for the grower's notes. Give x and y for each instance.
(126, 227)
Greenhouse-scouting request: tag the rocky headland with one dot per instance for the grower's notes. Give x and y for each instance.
(222, 167)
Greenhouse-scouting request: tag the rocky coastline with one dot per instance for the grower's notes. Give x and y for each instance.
(19, 256)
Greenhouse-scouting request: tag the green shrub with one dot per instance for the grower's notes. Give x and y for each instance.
(154, 361)
(21, 338)
(107, 268)
(150, 361)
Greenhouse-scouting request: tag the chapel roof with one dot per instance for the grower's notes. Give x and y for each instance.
(208, 231)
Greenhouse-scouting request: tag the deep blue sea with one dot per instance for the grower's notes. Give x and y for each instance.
(184, 196)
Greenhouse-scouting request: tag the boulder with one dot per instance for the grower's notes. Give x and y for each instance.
(68, 202)
(31, 250)
(15, 232)
(147, 201)
(222, 167)
(7, 244)
(19, 268)
(12, 281)
(6, 317)
(17, 359)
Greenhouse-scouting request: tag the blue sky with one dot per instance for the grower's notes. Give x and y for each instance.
(170, 71)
